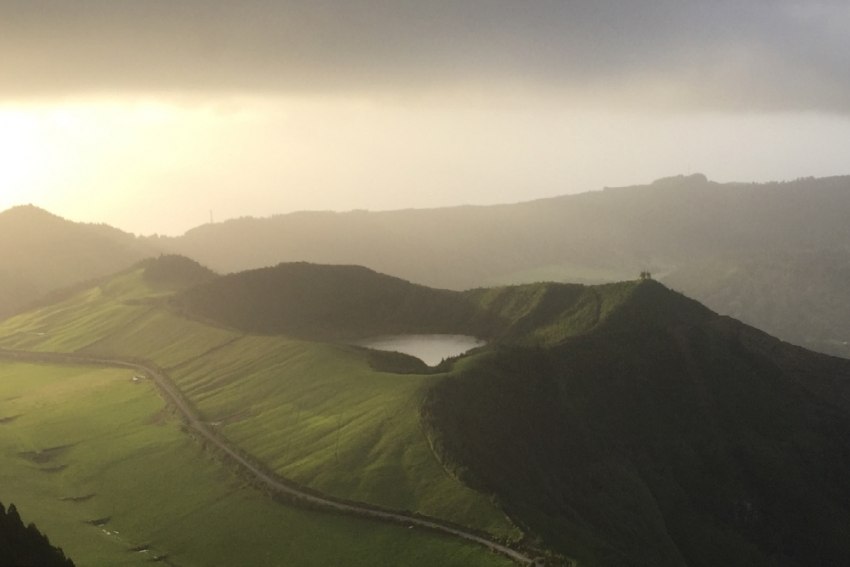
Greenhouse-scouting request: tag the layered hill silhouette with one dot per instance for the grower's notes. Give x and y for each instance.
(41, 253)
(616, 424)
(774, 255)
(621, 424)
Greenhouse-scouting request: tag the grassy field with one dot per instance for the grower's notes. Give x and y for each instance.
(315, 413)
(82, 446)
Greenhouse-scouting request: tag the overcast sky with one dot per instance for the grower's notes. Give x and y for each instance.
(148, 114)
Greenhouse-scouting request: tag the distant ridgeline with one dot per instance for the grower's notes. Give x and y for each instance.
(25, 546)
(774, 255)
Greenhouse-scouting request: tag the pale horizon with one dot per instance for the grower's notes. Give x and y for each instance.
(146, 116)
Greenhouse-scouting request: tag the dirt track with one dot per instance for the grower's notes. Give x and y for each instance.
(174, 397)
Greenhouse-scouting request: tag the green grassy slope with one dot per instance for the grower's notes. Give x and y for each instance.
(81, 445)
(316, 413)
(547, 313)
(620, 424)
(665, 435)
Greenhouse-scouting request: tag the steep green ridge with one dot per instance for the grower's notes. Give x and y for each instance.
(98, 462)
(41, 253)
(664, 435)
(316, 413)
(546, 313)
(349, 302)
(24, 545)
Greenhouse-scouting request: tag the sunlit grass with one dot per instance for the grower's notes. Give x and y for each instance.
(315, 413)
(118, 457)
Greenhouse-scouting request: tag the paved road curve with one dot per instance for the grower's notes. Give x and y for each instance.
(173, 396)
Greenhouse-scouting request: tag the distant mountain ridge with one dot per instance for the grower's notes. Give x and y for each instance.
(776, 255)
(41, 253)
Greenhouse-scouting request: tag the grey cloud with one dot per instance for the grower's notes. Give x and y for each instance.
(755, 55)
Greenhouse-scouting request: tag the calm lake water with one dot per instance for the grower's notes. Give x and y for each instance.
(430, 349)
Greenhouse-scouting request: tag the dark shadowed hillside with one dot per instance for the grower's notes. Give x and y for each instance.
(40, 253)
(329, 303)
(25, 546)
(175, 272)
(664, 435)
(775, 255)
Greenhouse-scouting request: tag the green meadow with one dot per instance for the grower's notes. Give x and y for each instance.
(315, 413)
(100, 465)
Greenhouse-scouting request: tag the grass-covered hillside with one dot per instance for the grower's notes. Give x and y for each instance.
(97, 461)
(618, 424)
(317, 414)
(664, 435)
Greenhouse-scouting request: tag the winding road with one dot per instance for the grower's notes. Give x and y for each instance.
(173, 396)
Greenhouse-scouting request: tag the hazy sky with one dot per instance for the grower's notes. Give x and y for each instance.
(148, 114)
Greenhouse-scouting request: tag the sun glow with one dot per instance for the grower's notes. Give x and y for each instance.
(82, 158)
(24, 157)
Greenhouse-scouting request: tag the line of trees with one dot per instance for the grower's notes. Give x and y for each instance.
(22, 545)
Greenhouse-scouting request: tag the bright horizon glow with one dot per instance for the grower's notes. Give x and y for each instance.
(159, 165)
(147, 115)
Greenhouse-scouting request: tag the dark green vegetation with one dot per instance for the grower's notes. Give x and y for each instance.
(23, 545)
(327, 302)
(349, 302)
(662, 434)
(41, 253)
(775, 255)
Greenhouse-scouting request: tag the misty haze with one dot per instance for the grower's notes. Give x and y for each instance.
(418, 284)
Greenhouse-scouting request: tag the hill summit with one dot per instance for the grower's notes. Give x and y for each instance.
(664, 435)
